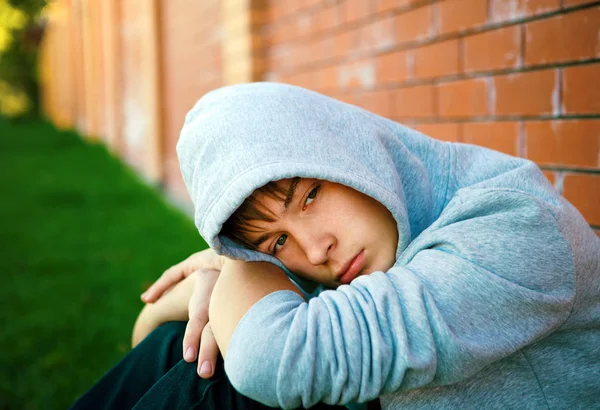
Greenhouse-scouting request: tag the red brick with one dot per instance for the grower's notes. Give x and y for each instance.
(378, 35)
(581, 88)
(303, 79)
(583, 191)
(449, 131)
(348, 98)
(311, 3)
(300, 55)
(317, 49)
(285, 78)
(302, 25)
(301, 4)
(343, 42)
(357, 74)
(392, 68)
(567, 37)
(326, 19)
(275, 36)
(354, 10)
(465, 98)
(415, 25)
(326, 78)
(378, 102)
(282, 34)
(277, 10)
(436, 60)
(295, 6)
(413, 102)
(509, 10)
(268, 36)
(385, 5)
(569, 142)
(345, 77)
(459, 15)
(493, 50)
(500, 136)
(532, 93)
(550, 176)
(279, 57)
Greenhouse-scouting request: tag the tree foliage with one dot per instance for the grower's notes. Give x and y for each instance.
(21, 29)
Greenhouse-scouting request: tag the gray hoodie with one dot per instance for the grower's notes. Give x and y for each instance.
(494, 299)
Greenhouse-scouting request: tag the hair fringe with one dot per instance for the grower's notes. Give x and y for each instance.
(239, 224)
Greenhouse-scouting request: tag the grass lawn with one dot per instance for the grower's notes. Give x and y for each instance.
(80, 238)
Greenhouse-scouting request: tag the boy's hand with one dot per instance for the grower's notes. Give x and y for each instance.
(198, 340)
(173, 305)
(203, 260)
(186, 300)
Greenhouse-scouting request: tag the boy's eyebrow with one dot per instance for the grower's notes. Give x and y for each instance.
(259, 241)
(290, 194)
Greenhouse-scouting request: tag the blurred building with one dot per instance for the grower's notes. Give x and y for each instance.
(518, 76)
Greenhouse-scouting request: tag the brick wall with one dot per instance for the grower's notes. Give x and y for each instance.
(139, 94)
(518, 76)
(521, 77)
(191, 65)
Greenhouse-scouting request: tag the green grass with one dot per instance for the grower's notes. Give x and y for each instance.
(80, 238)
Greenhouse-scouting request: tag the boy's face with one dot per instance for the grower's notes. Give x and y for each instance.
(327, 232)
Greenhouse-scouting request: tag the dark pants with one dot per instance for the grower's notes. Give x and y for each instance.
(155, 376)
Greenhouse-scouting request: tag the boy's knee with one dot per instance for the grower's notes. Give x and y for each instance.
(164, 344)
(164, 335)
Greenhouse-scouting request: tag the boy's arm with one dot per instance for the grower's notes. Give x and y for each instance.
(492, 275)
(206, 259)
(172, 306)
(186, 300)
(239, 287)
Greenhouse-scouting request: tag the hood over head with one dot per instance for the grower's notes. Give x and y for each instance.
(238, 138)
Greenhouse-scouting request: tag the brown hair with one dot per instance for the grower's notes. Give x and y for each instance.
(239, 224)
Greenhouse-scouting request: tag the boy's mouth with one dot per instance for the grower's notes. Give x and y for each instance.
(352, 268)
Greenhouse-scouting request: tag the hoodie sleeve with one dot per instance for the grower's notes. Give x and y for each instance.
(490, 276)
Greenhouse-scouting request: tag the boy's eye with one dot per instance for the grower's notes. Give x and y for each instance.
(311, 195)
(280, 242)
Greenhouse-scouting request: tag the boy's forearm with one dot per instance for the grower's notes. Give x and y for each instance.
(173, 305)
(239, 287)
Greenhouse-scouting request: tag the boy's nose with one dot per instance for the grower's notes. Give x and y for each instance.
(316, 246)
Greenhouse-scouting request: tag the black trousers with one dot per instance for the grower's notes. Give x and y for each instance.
(155, 376)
